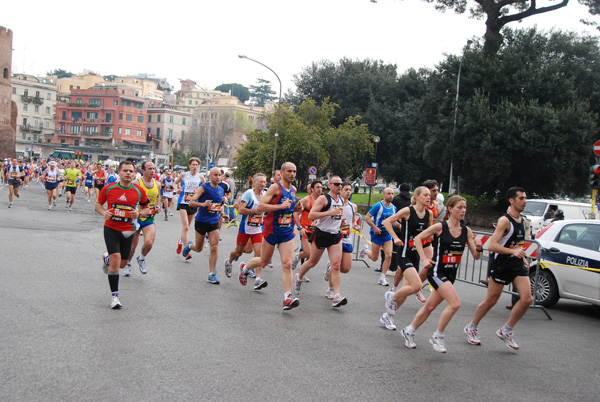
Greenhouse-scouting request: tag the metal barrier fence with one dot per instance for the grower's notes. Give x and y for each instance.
(473, 271)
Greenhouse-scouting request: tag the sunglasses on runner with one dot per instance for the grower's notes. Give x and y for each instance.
(337, 184)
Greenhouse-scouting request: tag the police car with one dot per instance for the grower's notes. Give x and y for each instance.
(569, 259)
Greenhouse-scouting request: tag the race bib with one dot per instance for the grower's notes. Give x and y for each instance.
(70, 182)
(345, 231)
(169, 189)
(51, 179)
(255, 220)
(284, 221)
(99, 181)
(451, 258)
(187, 197)
(338, 217)
(121, 213)
(214, 208)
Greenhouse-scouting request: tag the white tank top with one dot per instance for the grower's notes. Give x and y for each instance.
(331, 224)
(348, 215)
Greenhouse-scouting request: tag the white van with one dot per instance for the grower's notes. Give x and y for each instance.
(540, 212)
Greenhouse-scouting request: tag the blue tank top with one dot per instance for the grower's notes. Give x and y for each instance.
(281, 222)
(210, 214)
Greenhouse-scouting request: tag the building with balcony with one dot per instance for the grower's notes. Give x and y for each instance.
(36, 103)
(168, 125)
(102, 116)
(88, 80)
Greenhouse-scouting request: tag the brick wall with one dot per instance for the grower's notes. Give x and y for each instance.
(8, 110)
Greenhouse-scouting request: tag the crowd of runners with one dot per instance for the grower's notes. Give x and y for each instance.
(408, 231)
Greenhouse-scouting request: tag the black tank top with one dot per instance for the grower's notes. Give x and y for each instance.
(514, 238)
(411, 229)
(448, 250)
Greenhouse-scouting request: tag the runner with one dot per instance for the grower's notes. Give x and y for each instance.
(451, 236)
(61, 179)
(145, 222)
(306, 226)
(227, 190)
(250, 233)
(380, 237)
(167, 185)
(279, 203)
(89, 183)
(122, 199)
(15, 175)
(189, 183)
(209, 199)
(71, 174)
(50, 179)
(415, 219)
(509, 265)
(27, 171)
(112, 177)
(348, 225)
(99, 179)
(175, 190)
(327, 211)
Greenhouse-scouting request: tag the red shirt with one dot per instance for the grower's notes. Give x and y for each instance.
(121, 201)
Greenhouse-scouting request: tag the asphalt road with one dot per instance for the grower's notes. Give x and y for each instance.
(179, 338)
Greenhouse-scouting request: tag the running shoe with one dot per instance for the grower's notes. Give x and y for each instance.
(390, 303)
(295, 261)
(409, 339)
(179, 247)
(170, 213)
(508, 339)
(252, 273)
(70, 209)
(260, 284)
(166, 219)
(212, 278)
(142, 263)
(10, 205)
(228, 268)
(186, 251)
(127, 270)
(297, 284)
(387, 322)
(105, 262)
(329, 293)
(305, 279)
(383, 281)
(49, 207)
(89, 200)
(420, 297)
(243, 277)
(363, 252)
(290, 303)
(339, 301)
(327, 270)
(270, 264)
(472, 336)
(115, 302)
(438, 343)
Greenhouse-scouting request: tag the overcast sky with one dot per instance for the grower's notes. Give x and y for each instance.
(200, 40)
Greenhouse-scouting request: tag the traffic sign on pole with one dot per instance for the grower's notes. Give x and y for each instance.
(370, 177)
(597, 148)
(312, 170)
(211, 165)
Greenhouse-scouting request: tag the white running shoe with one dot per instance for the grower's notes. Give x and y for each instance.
(329, 294)
(387, 322)
(142, 263)
(49, 207)
(472, 336)
(390, 303)
(228, 268)
(127, 270)
(420, 297)
(115, 302)
(508, 339)
(383, 281)
(327, 271)
(363, 252)
(170, 213)
(260, 284)
(105, 262)
(438, 343)
(338, 301)
(295, 261)
(409, 339)
(297, 284)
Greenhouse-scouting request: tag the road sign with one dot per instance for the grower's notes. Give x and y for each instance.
(211, 165)
(26, 148)
(597, 148)
(370, 177)
(312, 170)
(312, 177)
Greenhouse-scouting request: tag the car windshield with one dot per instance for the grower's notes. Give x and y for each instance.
(535, 208)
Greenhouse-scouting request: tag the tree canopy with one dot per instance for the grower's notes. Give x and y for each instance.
(237, 90)
(60, 73)
(262, 92)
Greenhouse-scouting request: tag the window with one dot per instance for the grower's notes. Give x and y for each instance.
(127, 131)
(26, 92)
(171, 119)
(37, 109)
(140, 119)
(76, 116)
(149, 118)
(139, 133)
(49, 96)
(120, 116)
(76, 129)
(183, 121)
(158, 118)
(109, 117)
(37, 94)
(5, 73)
(24, 107)
(70, 86)
(120, 130)
(203, 115)
(196, 102)
(62, 140)
(94, 101)
(14, 90)
(47, 124)
(128, 117)
(170, 133)
(64, 115)
(24, 121)
(79, 100)
(158, 133)
(182, 133)
(47, 110)
(190, 102)
(91, 129)
(76, 143)
(581, 235)
(149, 131)
(92, 115)
(116, 102)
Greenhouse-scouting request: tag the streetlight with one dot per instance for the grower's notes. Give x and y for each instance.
(278, 107)
(456, 115)
(209, 125)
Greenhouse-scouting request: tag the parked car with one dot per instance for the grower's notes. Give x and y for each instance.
(569, 262)
(539, 212)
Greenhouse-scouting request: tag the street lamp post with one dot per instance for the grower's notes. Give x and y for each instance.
(209, 126)
(456, 116)
(278, 107)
